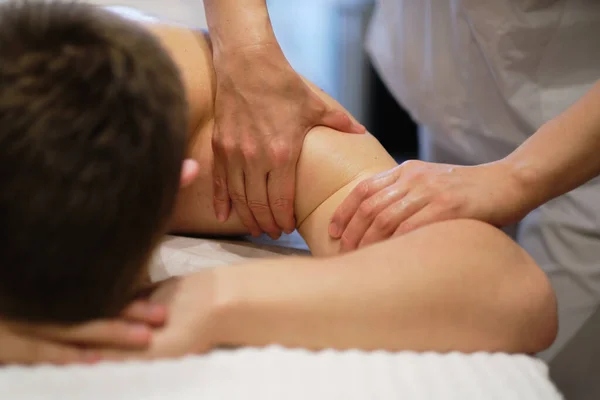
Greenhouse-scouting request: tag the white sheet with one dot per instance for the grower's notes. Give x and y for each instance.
(276, 373)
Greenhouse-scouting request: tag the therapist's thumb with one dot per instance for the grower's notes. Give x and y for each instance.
(341, 121)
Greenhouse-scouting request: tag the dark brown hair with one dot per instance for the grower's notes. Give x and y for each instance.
(93, 122)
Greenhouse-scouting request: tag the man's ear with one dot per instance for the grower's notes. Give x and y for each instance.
(189, 172)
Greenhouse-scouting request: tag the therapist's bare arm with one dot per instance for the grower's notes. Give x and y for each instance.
(263, 110)
(559, 157)
(562, 154)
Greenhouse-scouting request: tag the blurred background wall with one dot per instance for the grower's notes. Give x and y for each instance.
(324, 41)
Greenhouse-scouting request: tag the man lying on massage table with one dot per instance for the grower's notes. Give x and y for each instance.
(92, 141)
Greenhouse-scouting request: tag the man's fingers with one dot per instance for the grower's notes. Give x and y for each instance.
(341, 121)
(22, 350)
(146, 312)
(392, 217)
(258, 202)
(349, 207)
(120, 334)
(282, 186)
(237, 191)
(221, 201)
(367, 213)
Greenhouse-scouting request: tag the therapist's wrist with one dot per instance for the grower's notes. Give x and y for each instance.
(231, 37)
(524, 186)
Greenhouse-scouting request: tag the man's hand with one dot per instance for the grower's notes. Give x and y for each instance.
(25, 343)
(192, 327)
(418, 193)
(192, 303)
(263, 110)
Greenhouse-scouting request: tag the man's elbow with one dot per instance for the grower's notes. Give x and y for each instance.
(535, 313)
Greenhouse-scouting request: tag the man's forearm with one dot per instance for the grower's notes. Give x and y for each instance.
(418, 292)
(236, 24)
(562, 154)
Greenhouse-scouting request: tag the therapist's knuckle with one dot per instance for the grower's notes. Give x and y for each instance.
(258, 206)
(221, 187)
(250, 152)
(383, 223)
(282, 203)
(237, 197)
(223, 145)
(279, 153)
(410, 165)
(363, 189)
(366, 210)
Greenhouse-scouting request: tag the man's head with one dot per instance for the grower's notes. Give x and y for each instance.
(93, 122)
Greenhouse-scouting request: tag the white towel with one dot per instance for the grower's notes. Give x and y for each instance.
(279, 374)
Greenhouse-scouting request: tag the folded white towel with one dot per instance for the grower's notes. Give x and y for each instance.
(279, 374)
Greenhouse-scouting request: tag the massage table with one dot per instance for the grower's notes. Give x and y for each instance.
(277, 373)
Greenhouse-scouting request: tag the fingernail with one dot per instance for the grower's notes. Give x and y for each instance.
(335, 231)
(289, 231)
(275, 236)
(221, 216)
(140, 333)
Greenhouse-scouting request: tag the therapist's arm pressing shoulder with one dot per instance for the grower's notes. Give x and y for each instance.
(263, 110)
(559, 157)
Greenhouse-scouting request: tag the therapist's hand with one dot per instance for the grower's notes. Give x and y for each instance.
(263, 110)
(418, 193)
(29, 343)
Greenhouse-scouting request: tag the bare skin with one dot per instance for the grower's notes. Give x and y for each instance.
(263, 112)
(346, 301)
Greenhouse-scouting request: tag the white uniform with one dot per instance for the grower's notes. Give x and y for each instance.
(481, 77)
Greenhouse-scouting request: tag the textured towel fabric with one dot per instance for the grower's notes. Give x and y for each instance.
(275, 373)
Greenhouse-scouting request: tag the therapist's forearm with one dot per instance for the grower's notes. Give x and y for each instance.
(479, 294)
(562, 155)
(238, 24)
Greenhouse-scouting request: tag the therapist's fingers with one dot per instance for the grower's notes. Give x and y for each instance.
(366, 214)
(388, 221)
(340, 121)
(258, 202)
(237, 192)
(350, 206)
(428, 215)
(282, 188)
(221, 200)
